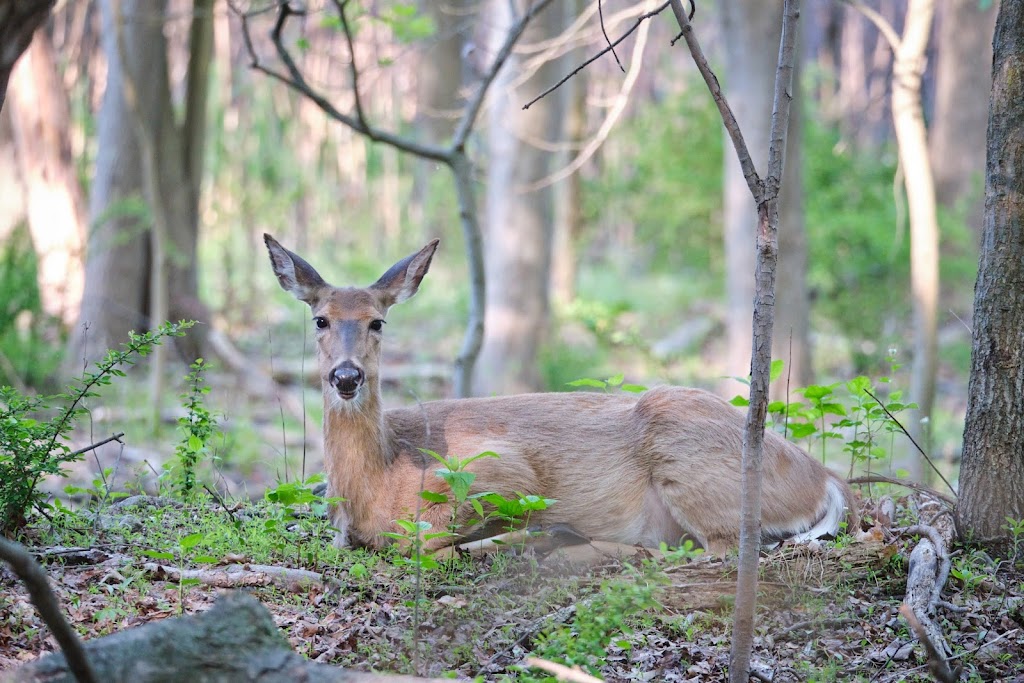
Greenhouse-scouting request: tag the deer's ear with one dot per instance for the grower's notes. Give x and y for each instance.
(403, 279)
(295, 275)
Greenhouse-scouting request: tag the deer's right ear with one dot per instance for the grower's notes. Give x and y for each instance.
(295, 275)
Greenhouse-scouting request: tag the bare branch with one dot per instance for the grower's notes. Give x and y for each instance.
(113, 437)
(604, 31)
(880, 479)
(610, 48)
(880, 22)
(469, 118)
(29, 571)
(728, 118)
(595, 142)
(353, 69)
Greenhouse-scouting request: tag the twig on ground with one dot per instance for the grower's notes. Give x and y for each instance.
(220, 502)
(562, 672)
(35, 579)
(240, 575)
(942, 575)
(559, 616)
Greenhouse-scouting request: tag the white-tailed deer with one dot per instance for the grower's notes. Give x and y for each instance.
(624, 468)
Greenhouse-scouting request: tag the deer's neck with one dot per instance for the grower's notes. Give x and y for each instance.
(358, 446)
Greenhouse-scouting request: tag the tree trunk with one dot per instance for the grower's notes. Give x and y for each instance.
(912, 143)
(791, 338)
(992, 473)
(19, 19)
(518, 222)
(117, 249)
(753, 28)
(118, 255)
(568, 198)
(962, 85)
(439, 103)
(56, 205)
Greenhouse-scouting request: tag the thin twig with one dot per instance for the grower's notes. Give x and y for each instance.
(220, 502)
(113, 437)
(882, 479)
(604, 32)
(35, 579)
(919, 449)
(610, 48)
(880, 22)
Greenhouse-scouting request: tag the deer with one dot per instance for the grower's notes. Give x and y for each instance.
(633, 469)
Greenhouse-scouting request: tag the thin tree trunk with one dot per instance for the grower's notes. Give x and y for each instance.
(568, 192)
(992, 473)
(56, 205)
(18, 21)
(912, 142)
(517, 239)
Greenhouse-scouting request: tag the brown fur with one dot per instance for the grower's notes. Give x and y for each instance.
(630, 469)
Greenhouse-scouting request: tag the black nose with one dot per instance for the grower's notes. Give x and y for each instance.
(347, 378)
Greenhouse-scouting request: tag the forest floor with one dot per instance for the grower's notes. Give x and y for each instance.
(827, 611)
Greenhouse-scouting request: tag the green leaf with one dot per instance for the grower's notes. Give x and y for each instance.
(206, 559)
(158, 554)
(460, 482)
(191, 541)
(358, 571)
(800, 430)
(587, 382)
(433, 497)
(634, 388)
(195, 444)
(776, 370)
(615, 380)
(740, 401)
(816, 392)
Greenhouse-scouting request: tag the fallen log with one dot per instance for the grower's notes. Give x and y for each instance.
(236, 640)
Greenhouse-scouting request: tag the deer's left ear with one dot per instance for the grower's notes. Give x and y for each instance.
(403, 279)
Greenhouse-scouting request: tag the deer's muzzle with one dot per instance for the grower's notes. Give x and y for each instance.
(347, 378)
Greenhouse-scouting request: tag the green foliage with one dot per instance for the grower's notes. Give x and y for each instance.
(186, 550)
(600, 622)
(852, 416)
(25, 356)
(198, 427)
(613, 382)
(298, 516)
(32, 448)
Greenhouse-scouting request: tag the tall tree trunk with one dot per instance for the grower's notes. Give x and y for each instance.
(56, 205)
(117, 249)
(992, 473)
(518, 222)
(962, 85)
(119, 258)
(753, 27)
(439, 103)
(912, 142)
(568, 192)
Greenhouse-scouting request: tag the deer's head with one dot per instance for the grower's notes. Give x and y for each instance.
(348, 321)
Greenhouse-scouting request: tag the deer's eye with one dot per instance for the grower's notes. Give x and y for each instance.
(376, 325)
(321, 323)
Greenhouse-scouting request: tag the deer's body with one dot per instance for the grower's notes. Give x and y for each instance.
(625, 468)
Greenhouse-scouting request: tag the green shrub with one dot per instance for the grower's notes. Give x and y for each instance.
(32, 448)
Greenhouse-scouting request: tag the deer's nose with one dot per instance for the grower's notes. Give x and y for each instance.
(347, 378)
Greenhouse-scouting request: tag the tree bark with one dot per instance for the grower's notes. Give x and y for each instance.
(56, 205)
(992, 472)
(518, 222)
(963, 79)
